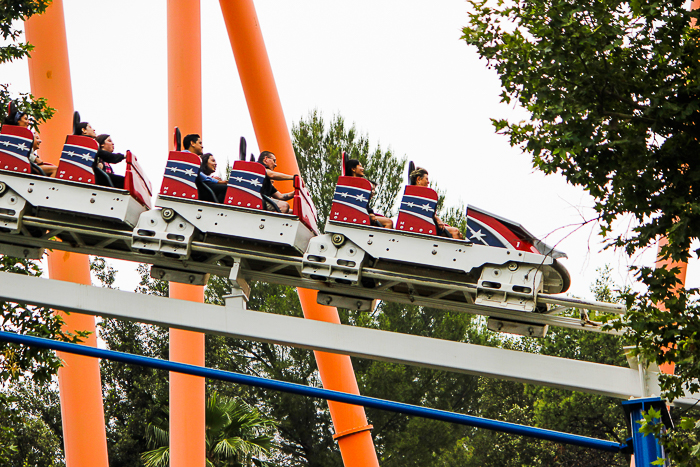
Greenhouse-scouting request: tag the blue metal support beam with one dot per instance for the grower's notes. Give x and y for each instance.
(425, 412)
(646, 447)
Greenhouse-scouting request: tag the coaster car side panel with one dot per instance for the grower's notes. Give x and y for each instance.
(417, 210)
(15, 145)
(74, 198)
(180, 175)
(77, 159)
(428, 250)
(244, 185)
(350, 200)
(251, 224)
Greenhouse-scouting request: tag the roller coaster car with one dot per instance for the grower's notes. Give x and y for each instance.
(189, 210)
(505, 263)
(46, 204)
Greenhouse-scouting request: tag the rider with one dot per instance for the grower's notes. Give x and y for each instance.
(49, 169)
(269, 160)
(16, 117)
(193, 143)
(206, 174)
(353, 168)
(85, 129)
(106, 156)
(419, 177)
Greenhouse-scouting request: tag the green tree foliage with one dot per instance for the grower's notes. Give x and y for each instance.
(12, 11)
(319, 147)
(567, 411)
(21, 364)
(134, 396)
(36, 423)
(16, 361)
(305, 427)
(237, 435)
(611, 92)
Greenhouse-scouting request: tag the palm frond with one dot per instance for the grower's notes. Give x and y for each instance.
(159, 457)
(157, 436)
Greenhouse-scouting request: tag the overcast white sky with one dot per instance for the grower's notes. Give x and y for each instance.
(398, 70)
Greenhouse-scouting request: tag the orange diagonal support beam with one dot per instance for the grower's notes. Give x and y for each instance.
(80, 389)
(352, 430)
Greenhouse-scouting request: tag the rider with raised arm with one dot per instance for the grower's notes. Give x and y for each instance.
(419, 177)
(269, 160)
(106, 156)
(353, 168)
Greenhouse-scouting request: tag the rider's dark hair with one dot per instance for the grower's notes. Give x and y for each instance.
(349, 165)
(264, 155)
(189, 139)
(204, 167)
(79, 128)
(101, 140)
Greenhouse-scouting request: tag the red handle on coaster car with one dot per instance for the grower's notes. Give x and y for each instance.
(304, 207)
(136, 182)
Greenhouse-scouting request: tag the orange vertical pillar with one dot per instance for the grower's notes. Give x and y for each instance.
(669, 368)
(352, 432)
(187, 424)
(82, 412)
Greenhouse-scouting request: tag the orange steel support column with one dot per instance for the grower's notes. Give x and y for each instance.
(351, 429)
(669, 368)
(352, 432)
(82, 412)
(187, 423)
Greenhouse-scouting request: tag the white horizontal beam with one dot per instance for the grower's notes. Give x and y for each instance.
(387, 346)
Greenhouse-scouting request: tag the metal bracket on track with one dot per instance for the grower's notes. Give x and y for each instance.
(184, 277)
(237, 300)
(12, 207)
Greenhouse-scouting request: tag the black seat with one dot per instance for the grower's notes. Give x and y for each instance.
(102, 178)
(36, 169)
(205, 193)
(276, 208)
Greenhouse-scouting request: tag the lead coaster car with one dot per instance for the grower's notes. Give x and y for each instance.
(71, 194)
(505, 263)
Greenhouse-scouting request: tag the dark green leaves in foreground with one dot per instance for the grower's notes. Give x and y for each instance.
(611, 92)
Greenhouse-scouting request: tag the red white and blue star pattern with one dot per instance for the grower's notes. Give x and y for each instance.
(244, 185)
(350, 200)
(417, 210)
(485, 229)
(15, 145)
(77, 158)
(181, 174)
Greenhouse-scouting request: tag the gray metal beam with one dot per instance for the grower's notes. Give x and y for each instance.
(419, 351)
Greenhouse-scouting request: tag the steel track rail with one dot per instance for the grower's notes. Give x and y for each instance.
(286, 270)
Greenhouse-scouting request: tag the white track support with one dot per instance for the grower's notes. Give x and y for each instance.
(392, 347)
